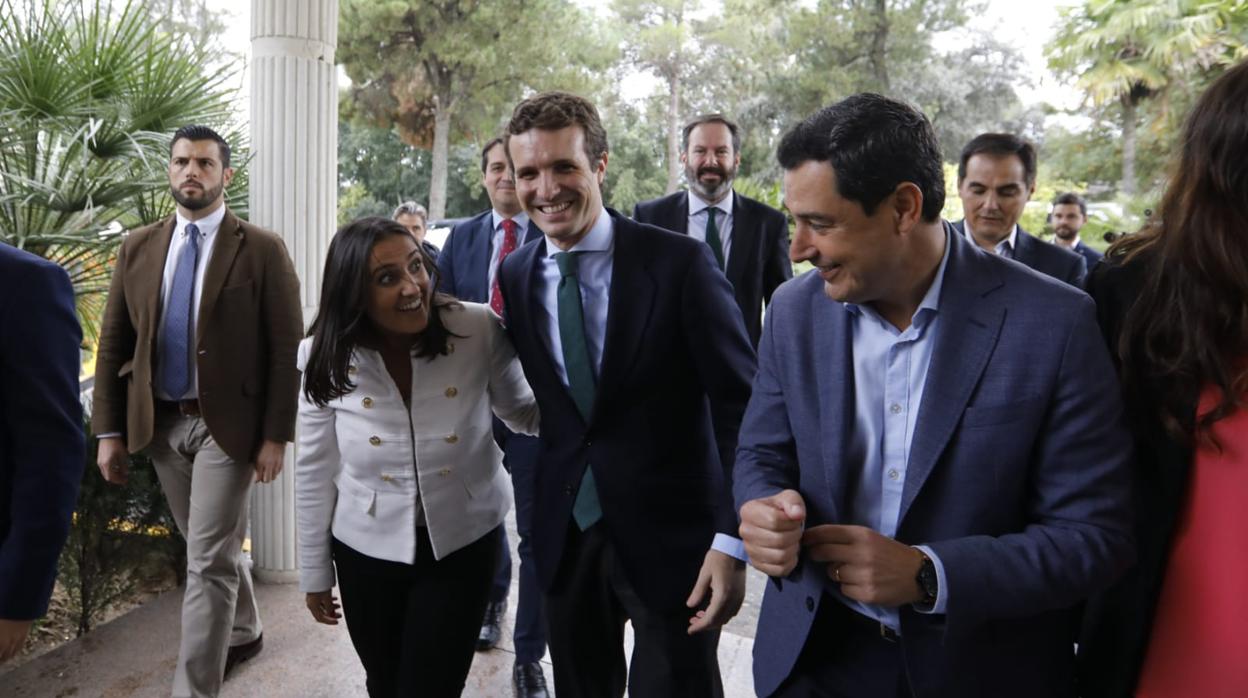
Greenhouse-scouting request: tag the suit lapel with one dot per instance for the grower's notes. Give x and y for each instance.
(743, 233)
(150, 270)
(970, 323)
(532, 233)
(224, 249)
(628, 311)
(678, 213)
(526, 323)
(480, 258)
(834, 378)
(1023, 246)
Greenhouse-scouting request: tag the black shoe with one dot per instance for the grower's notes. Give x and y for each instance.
(241, 653)
(491, 627)
(529, 681)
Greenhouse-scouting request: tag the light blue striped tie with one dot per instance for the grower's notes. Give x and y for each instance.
(175, 363)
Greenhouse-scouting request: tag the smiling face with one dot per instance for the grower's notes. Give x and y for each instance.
(500, 186)
(399, 290)
(994, 193)
(710, 162)
(1067, 220)
(557, 185)
(197, 179)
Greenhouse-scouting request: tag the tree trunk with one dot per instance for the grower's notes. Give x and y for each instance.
(441, 148)
(673, 131)
(1126, 187)
(879, 46)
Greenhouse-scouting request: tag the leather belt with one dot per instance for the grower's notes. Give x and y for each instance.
(186, 408)
(867, 625)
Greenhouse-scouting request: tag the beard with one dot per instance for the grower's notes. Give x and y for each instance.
(710, 193)
(1066, 233)
(207, 197)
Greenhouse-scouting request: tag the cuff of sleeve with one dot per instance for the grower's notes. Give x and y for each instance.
(316, 580)
(728, 545)
(942, 589)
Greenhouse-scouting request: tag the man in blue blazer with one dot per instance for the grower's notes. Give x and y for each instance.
(933, 467)
(750, 240)
(469, 268)
(1068, 216)
(996, 178)
(641, 367)
(41, 438)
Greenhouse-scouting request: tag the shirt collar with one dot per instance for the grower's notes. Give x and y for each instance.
(600, 238)
(697, 204)
(207, 225)
(931, 300)
(521, 219)
(1012, 238)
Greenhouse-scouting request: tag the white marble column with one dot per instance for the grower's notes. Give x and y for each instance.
(293, 179)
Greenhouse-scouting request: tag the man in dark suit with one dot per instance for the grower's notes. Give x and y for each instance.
(1068, 215)
(933, 467)
(641, 365)
(996, 178)
(41, 440)
(469, 269)
(749, 239)
(196, 367)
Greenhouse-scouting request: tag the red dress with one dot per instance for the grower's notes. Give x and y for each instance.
(1199, 643)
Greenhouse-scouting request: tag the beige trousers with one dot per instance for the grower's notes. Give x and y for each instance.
(208, 495)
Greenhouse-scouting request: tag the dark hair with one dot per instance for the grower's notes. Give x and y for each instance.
(485, 152)
(1069, 198)
(196, 132)
(711, 119)
(1189, 324)
(551, 111)
(341, 321)
(1000, 145)
(873, 144)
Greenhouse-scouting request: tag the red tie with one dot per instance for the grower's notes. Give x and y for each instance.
(509, 245)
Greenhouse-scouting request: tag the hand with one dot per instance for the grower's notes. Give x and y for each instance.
(12, 637)
(323, 606)
(771, 528)
(269, 460)
(870, 567)
(724, 576)
(113, 460)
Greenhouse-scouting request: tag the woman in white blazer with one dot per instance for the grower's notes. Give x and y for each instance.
(399, 487)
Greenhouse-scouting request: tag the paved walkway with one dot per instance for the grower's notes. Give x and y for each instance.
(133, 656)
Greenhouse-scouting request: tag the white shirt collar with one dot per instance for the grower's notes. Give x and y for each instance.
(1012, 238)
(207, 225)
(600, 237)
(697, 204)
(521, 219)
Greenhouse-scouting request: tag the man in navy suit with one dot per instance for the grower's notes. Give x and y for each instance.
(641, 367)
(469, 269)
(933, 467)
(996, 178)
(750, 240)
(1068, 215)
(41, 439)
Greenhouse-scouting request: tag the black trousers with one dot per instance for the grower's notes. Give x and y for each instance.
(587, 607)
(415, 626)
(845, 656)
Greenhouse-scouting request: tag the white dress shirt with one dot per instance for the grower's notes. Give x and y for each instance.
(496, 242)
(723, 221)
(208, 227)
(1006, 248)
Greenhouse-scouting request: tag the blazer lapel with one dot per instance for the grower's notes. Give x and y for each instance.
(532, 233)
(224, 249)
(834, 378)
(678, 213)
(480, 258)
(150, 270)
(970, 322)
(628, 313)
(526, 323)
(744, 232)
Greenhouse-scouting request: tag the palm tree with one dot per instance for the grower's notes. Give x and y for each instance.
(89, 93)
(1131, 51)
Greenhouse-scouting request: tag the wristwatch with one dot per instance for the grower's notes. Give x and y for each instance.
(927, 580)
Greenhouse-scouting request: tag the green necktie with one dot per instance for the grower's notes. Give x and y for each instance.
(586, 510)
(712, 236)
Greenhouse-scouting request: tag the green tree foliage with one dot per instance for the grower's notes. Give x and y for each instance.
(89, 94)
(443, 69)
(1133, 54)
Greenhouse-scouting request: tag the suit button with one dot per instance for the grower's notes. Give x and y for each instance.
(374, 440)
(203, 352)
(351, 370)
(450, 347)
(444, 472)
(452, 439)
(387, 478)
(810, 603)
(367, 402)
(452, 391)
(568, 490)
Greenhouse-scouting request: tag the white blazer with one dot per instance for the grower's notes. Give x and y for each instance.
(365, 464)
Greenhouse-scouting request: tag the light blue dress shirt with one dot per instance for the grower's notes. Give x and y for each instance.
(723, 221)
(890, 372)
(594, 269)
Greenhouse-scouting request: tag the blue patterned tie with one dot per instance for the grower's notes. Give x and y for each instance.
(586, 510)
(175, 370)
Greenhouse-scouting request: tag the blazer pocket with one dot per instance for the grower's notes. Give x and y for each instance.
(361, 497)
(994, 414)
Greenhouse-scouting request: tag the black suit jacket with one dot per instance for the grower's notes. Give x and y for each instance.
(1090, 256)
(41, 438)
(1117, 623)
(661, 439)
(1045, 258)
(759, 259)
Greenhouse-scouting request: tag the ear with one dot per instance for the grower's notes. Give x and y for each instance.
(600, 171)
(226, 176)
(684, 157)
(907, 206)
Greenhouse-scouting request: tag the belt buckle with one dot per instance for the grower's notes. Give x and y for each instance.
(888, 634)
(182, 408)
